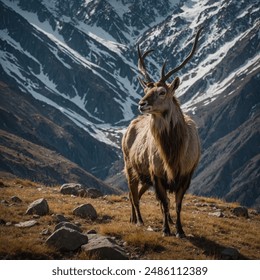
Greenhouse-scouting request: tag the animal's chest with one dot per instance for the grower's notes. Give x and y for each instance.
(156, 162)
(147, 158)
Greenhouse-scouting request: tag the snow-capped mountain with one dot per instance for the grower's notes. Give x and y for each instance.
(79, 59)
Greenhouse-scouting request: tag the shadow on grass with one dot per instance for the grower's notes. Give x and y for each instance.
(213, 249)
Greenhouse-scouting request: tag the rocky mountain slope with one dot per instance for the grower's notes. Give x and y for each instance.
(76, 62)
(41, 222)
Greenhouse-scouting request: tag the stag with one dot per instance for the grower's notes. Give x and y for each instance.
(161, 146)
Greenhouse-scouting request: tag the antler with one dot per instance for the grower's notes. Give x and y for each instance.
(142, 68)
(164, 77)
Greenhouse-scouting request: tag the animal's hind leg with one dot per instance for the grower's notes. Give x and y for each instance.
(133, 183)
(133, 218)
(184, 185)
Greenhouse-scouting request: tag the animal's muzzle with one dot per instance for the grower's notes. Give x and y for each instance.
(143, 106)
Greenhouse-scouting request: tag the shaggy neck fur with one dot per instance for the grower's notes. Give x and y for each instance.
(169, 132)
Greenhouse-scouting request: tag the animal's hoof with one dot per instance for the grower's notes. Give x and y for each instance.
(180, 235)
(140, 224)
(166, 233)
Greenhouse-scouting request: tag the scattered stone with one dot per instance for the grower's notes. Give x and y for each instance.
(59, 218)
(73, 189)
(67, 225)
(16, 199)
(199, 204)
(240, 211)
(66, 239)
(149, 228)
(230, 254)
(104, 248)
(26, 224)
(93, 193)
(38, 207)
(8, 224)
(218, 214)
(85, 211)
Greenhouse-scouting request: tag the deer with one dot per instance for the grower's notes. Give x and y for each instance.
(161, 146)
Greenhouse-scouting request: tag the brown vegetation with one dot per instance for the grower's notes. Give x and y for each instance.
(206, 235)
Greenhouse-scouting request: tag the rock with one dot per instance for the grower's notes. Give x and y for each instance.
(149, 228)
(104, 248)
(16, 199)
(85, 211)
(230, 254)
(66, 239)
(240, 211)
(218, 214)
(26, 224)
(93, 193)
(38, 207)
(59, 218)
(67, 225)
(73, 189)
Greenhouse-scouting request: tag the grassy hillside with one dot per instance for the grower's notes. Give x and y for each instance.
(207, 234)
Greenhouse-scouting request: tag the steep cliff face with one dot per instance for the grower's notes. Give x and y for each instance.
(72, 69)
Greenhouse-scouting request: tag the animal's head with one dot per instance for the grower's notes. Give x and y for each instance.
(158, 96)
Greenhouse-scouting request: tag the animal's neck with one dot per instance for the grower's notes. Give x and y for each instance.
(169, 131)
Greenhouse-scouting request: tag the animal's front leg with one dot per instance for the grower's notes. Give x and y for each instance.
(161, 195)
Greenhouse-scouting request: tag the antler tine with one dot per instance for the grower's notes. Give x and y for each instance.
(141, 65)
(163, 72)
(164, 78)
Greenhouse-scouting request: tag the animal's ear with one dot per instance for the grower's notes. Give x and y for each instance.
(174, 85)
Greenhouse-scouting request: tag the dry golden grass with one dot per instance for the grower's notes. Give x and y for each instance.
(206, 235)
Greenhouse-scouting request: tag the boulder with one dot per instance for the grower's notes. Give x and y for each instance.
(240, 211)
(66, 239)
(85, 211)
(39, 207)
(93, 193)
(73, 189)
(105, 248)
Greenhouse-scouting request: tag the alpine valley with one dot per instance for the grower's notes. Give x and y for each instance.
(69, 88)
